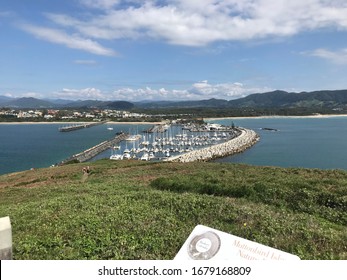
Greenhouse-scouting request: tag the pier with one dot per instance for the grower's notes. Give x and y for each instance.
(158, 128)
(79, 126)
(93, 151)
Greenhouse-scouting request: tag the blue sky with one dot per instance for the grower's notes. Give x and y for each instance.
(170, 49)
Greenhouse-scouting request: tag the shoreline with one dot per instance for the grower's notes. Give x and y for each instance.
(318, 116)
(65, 123)
(205, 119)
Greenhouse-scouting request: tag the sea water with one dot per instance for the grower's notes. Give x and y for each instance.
(26, 146)
(298, 142)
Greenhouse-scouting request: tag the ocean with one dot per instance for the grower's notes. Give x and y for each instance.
(298, 142)
(26, 146)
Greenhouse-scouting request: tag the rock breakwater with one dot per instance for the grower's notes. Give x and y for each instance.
(245, 140)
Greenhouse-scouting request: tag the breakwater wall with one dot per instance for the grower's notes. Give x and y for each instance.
(157, 128)
(245, 140)
(97, 149)
(79, 126)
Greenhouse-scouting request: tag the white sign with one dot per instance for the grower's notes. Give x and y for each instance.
(5, 239)
(206, 243)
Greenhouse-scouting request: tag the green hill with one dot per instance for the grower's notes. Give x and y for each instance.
(314, 99)
(137, 210)
(27, 102)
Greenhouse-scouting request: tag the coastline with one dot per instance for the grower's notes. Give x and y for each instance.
(205, 119)
(65, 123)
(281, 117)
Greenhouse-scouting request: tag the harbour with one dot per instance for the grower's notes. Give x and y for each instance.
(298, 142)
(95, 150)
(171, 140)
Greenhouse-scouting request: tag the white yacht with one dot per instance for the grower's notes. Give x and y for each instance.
(145, 157)
(116, 157)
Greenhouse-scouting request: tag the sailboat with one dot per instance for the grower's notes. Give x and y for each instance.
(126, 152)
(116, 156)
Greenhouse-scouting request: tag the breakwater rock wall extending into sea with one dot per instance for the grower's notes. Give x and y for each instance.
(245, 140)
(93, 151)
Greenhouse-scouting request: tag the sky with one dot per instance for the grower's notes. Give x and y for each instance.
(170, 49)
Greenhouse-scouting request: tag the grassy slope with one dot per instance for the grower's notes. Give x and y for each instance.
(137, 210)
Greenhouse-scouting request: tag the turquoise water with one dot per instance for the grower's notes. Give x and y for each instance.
(300, 142)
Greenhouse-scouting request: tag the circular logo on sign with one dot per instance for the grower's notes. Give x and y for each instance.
(204, 246)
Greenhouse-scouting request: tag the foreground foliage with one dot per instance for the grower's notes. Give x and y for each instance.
(137, 210)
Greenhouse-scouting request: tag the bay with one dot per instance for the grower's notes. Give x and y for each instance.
(319, 142)
(299, 142)
(26, 146)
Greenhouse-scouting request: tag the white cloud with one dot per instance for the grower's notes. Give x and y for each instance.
(72, 41)
(85, 62)
(100, 4)
(148, 93)
(32, 94)
(200, 22)
(337, 57)
(83, 94)
(8, 94)
(225, 90)
(5, 14)
(198, 91)
(189, 23)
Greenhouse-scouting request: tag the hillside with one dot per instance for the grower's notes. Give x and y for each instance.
(137, 210)
(208, 103)
(279, 98)
(328, 99)
(35, 103)
(27, 102)
(274, 99)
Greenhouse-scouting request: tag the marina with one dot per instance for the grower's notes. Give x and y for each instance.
(298, 142)
(182, 143)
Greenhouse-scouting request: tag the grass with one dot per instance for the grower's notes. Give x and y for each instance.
(137, 210)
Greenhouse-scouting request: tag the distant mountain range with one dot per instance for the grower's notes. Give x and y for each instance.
(324, 98)
(34, 103)
(274, 99)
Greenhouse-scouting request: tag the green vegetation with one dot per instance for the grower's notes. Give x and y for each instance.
(206, 112)
(137, 210)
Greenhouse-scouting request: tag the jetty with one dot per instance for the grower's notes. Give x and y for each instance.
(243, 141)
(97, 149)
(79, 126)
(158, 128)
